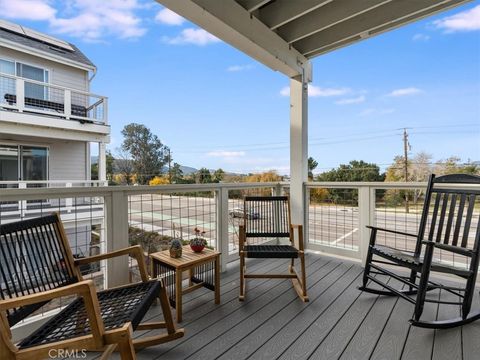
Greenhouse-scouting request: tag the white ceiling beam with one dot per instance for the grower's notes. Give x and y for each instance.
(281, 12)
(390, 15)
(325, 17)
(252, 5)
(231, 23)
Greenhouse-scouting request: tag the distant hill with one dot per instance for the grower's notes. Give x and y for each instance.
(187, 170)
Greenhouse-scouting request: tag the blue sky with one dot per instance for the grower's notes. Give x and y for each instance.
(216, 107)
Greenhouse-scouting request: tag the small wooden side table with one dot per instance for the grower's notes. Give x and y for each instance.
(203, 271)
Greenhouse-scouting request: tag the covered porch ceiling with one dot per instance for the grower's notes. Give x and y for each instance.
(285, 34)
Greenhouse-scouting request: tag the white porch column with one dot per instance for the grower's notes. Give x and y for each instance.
(102, 162)
(298, 148)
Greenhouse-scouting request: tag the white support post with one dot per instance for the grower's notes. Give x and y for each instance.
(298, 148)
(222, 226)
(20, 92)
(102, 162)
(278, 190)
(117, 237)
(366, 216)
(67, 103)
(69, 201)
(105, 111)
(22, 203)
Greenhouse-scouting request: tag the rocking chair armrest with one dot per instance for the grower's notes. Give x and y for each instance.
(391, 231)
(84, 288)
(133, 251)
(241, 237)
(451, 248)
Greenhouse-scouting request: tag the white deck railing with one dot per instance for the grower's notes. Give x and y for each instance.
(336, 214)
(30, 96)
(100, 218)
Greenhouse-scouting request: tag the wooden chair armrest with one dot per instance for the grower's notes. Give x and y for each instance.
(391, 231)
(241, 237)
(451, 248)
(133, 251)
(85, 288)
(80, 288)
(299, 228)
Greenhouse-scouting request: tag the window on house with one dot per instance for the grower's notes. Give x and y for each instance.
(19, 162)
(34, 91)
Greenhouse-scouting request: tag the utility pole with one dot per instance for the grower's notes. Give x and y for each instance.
(169, 166)
(406, 147)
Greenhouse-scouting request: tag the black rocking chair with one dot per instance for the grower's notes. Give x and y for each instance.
(448, 227)
(269, 217)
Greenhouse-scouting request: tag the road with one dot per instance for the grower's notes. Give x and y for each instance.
(333, 225)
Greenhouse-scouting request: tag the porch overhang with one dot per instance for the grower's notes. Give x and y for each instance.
(285, 34)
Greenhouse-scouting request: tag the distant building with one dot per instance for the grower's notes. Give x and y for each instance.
(48, 117)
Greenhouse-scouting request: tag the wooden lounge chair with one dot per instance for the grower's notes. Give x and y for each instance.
(37, 266)
(269, 217)
(448, 227)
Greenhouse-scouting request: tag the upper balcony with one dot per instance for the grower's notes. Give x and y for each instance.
(30, 102)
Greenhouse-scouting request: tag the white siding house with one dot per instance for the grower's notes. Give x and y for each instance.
(48, 117)
(48, 121)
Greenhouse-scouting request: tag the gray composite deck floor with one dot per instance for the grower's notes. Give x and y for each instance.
(339, 322)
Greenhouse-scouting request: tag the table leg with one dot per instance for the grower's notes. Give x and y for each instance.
(178, 294)
(217, 280)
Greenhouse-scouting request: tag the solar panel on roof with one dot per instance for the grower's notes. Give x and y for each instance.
(10, 26)
(48, 39)
(35, 35)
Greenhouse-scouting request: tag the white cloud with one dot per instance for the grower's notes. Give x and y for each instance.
(374, 111)
(27, 9)
(285, 91)
(226, 154)
(356, 100)
(95, 19)
(236, 68)
(192, 36)
(168, 17)
(468, 20)
(421, 37)
(316, 91)
(405, 92)
(87, 19)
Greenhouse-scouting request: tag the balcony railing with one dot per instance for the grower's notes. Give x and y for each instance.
(100, 218)
(25, 95)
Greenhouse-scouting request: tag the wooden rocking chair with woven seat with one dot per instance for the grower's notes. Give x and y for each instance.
(269, 217)
(451, 226)
(37, 266)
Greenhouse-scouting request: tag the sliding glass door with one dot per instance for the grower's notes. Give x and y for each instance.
(9, 159)
(22, 162)
(34, 163)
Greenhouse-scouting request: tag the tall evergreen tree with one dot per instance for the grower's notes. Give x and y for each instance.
(147, 152)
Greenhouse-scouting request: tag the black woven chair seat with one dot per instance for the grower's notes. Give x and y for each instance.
(407, 258)
(118, 306)
(396, 255)
(271, 251)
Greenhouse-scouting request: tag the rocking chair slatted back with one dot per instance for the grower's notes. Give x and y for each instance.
(33, 259)
(452, 219)
(266, 216)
